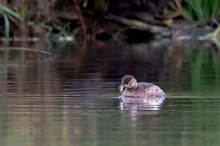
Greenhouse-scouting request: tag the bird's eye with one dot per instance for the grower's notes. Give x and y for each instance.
(126, 81)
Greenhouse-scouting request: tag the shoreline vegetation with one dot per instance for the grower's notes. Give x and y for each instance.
(126, 20)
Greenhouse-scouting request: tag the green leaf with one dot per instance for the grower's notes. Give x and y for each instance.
(10, 12)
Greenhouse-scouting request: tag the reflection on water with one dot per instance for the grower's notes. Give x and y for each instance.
(137, 107)
(66, 98)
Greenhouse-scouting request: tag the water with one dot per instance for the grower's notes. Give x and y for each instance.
(69, 96)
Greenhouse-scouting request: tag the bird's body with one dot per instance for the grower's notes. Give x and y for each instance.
(140, 93)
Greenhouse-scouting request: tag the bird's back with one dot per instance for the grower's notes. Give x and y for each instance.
(145, 90)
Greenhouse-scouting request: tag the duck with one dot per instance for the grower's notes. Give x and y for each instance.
(143, 93)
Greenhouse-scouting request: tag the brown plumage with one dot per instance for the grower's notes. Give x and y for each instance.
(140, 93)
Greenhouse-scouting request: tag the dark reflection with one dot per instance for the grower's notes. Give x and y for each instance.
(52, 100)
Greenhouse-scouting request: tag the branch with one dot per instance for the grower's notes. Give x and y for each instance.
(79, 14)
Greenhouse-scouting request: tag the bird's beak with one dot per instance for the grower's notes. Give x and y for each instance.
(121, 88)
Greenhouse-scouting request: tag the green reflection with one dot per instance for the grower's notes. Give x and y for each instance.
(204, 69)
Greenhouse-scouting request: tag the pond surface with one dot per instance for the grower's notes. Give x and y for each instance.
(67, 96)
